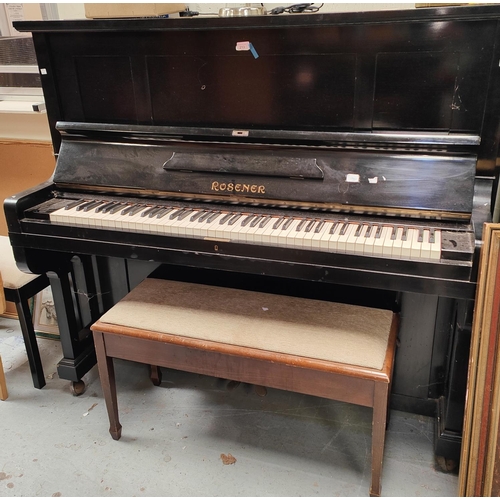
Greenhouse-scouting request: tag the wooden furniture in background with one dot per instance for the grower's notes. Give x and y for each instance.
(480, 461)
(18, 288)
(324, 349)
(22, 166)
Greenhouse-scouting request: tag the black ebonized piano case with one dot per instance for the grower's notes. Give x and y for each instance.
(347, 157)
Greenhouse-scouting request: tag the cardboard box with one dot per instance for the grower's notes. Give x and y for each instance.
(114, 10)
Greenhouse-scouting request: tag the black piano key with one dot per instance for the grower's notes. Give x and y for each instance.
(246, 220)
(175, 214)
(85, 205)
(116, 208)
(127, 209)
(114, 205)
(264, 221)
(277, 224)
(344, 228)
(420, 235)
(92, 205)
(287, 224)
(334, 227)
(432, 236)
(205, 216)
(213, 217)
(358, 230)
(310, 226)
(368, 231)
(255, 221)
(154, 212)
(148, 211)
(319, 226)
(394, 232)
(185, 214)
(74, 204)
(225, 218)
(102, 207)
(164, 211)
(301, 224)
(234, 219)
(378, 233)
(197, 215)
(135, 209)
(404, 236)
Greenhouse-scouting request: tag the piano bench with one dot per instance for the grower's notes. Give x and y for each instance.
(19, 287)
(336, 351)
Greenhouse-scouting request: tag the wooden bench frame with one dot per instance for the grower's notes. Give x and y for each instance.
(337, 381)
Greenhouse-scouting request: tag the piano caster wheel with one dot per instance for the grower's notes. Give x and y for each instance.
(155, 374)
(446, 464)
(77, 388)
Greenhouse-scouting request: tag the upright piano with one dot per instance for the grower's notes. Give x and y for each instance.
(345, 157)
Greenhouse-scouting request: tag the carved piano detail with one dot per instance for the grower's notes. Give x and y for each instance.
(355, 156)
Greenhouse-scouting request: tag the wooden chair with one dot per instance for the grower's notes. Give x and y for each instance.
(19, 287)
(325, 349)
(3, 385)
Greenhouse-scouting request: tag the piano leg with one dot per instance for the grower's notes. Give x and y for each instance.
(76, 339)
(450, 416)
(83, 289)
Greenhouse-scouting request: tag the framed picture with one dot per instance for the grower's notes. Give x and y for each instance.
(44, 315)
(480, 460)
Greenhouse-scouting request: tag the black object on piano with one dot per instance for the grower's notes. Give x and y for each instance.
(345, 154)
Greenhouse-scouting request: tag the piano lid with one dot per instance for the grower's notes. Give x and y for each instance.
(430, 183)
(429, 72)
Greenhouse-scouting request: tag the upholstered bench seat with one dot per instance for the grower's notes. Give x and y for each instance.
(325, 349)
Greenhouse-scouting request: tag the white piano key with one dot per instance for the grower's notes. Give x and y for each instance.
(189, 226)
(436, 246)
(425, 251)
(397, 244)
(342, 239)
(389, 242)
(407, 244)
(291, 234)
(258, 235)
(268, 230)
(416, 245)
(334, 236)
(378, 245)
(320, 239)
(369, 240)
(308, 237)
(353, 238)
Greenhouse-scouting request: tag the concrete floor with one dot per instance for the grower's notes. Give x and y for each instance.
(285, 444)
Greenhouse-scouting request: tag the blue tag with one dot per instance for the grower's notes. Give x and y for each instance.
(253, 51)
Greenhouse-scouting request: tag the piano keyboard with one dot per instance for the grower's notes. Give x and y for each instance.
(340, 236)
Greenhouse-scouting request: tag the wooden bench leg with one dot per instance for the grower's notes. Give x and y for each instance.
(155, 374)
(381, 394)
(107, 376)
(3, 385)
(35, 362)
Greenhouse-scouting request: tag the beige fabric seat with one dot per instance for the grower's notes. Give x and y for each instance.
(19, 287)
(330, 350)
(289, 325)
